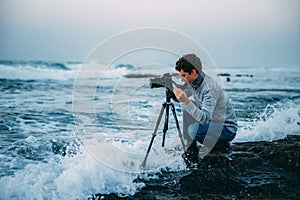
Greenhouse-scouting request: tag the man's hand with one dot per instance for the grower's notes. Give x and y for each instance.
(181, 96)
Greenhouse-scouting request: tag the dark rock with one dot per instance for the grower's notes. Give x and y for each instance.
(244, 75)
(140, 75)
(250, 170)
(223, 74)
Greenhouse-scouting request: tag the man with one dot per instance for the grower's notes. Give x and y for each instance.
(208, 115)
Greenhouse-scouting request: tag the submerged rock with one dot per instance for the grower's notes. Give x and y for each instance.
(250, 170)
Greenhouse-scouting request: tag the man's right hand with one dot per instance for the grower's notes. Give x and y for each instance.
(181, 96)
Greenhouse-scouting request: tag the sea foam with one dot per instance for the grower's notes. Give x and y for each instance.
(276, 122)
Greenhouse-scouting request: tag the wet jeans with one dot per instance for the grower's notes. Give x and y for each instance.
(210, 134)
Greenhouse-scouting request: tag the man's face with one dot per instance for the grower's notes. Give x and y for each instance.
(188, 78)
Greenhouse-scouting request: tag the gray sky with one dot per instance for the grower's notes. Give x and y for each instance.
(234, 32)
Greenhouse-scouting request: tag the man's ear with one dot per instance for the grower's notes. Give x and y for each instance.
(194, 71)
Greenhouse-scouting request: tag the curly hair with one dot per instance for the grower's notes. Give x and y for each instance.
(189, 62)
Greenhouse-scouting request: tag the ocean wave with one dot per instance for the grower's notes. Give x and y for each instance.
(275, 122)
(38, 64)
(43, 70)
(38, 70)
(42, 158)
(252, 90)
(81, 175)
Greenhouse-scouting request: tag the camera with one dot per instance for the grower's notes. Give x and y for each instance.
(163, 81)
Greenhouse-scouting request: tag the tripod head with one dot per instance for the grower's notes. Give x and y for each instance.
(170, 95)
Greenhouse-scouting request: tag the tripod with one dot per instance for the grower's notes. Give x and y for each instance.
(165, 107)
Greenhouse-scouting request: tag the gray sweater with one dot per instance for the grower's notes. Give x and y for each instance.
(209, 103)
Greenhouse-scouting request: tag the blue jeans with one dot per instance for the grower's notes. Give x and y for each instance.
(210, 134)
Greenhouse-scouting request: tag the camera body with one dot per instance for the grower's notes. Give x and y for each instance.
(164, 81)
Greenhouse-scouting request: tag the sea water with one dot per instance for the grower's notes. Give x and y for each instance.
(50, 150)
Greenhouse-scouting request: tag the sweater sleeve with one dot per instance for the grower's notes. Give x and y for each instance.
(203, 113)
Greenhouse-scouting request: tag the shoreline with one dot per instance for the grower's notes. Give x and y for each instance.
(248, 170)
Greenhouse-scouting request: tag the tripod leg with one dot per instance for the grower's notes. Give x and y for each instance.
(177, 125)
(166, 126)
(154, 133)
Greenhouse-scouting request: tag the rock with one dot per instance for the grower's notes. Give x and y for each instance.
(223, 74)
(244, 75)
(140, 75)
(250, 170)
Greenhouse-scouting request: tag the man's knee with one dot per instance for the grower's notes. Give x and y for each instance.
(197, 131)
(192, 130)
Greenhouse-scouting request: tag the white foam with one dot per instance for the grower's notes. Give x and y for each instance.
(28, 72)
(273, 124)
(32, 73)
(83, 175)
(75, 177)
(118, 72)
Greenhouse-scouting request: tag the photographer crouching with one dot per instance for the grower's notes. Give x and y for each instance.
(208, 117)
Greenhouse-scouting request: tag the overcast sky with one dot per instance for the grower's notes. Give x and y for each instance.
(234, 32)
